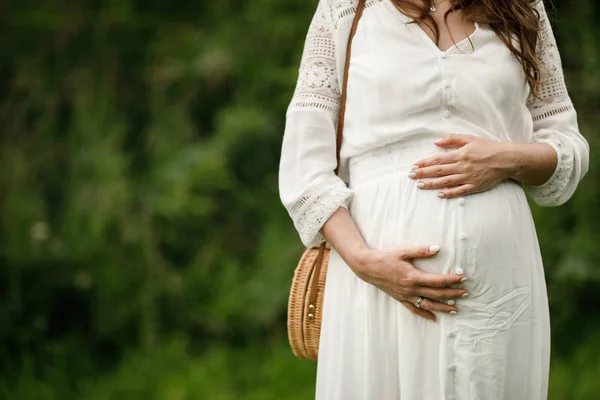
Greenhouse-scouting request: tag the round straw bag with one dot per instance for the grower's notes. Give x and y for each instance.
(305, 305)
(306, 302)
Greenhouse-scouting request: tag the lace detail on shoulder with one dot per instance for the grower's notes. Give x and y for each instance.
(317, 85)
(553, 97)
(315, 208)
(346, 8)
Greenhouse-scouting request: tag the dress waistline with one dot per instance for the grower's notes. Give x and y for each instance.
(397, 157)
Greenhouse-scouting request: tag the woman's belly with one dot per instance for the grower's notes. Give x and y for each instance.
(488, 236)
(501, 327)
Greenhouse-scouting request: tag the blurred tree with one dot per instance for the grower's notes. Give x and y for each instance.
(141, 234)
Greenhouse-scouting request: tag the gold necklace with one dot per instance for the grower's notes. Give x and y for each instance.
(432, 7)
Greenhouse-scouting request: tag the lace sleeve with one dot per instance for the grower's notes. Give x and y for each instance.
(308, 186)
(555, 122)
(317, 85)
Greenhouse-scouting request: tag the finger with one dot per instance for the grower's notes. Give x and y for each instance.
(435, 171)
(430, 305)
(458, 191)
(421, 278)
(441, 294)
(446, 182)
(412, 252)
(454, 140)
(438, 159)
(418, 311)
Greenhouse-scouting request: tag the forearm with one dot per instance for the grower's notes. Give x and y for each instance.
(343, 235)
(532, 164)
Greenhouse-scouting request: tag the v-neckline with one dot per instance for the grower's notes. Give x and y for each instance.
(412, 24)
(421, 32)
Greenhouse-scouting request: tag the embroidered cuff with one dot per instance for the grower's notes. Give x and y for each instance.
(315, 208)
(550, 192)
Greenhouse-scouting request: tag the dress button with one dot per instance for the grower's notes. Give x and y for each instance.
(461, 201)
(452, 368)
(450, 303)
(447, 113)
(442, 55)
(446, 84)
(459, 271)
(463, 236)
(451, 335)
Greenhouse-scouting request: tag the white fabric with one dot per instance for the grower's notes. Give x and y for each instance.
(496, 348)
(402, 88)
(397, 89)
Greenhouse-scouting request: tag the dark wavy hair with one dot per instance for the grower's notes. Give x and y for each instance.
(508, 18)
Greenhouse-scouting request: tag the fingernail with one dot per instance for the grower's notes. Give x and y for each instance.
(450, 302)
(453, 312)
(439, 140)
(412, 175)
(434, 248)
(463, 280)
(420, 185)
(414, 167)
(465, 295)
(440, 195)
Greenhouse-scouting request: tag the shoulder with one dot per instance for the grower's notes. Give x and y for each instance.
(341, 10)
(542, 8)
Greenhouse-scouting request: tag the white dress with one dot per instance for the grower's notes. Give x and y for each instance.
(403, 94)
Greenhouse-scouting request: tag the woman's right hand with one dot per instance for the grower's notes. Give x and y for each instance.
(392, 271)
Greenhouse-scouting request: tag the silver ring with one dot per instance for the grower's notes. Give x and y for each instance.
(418, 302)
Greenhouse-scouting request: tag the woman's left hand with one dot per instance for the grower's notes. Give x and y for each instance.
(476, 165)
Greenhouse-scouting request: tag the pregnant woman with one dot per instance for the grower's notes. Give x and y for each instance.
(455, 109)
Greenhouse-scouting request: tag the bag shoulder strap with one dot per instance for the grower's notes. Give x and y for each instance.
(318, 263)
(340, 127)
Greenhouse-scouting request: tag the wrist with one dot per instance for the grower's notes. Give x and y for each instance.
(360, 260)
(513, 156)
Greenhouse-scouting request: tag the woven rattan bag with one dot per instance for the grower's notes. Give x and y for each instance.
(305, 305)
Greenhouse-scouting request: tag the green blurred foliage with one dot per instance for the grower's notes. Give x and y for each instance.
(144, 253)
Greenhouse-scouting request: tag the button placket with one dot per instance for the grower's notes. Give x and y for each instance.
(459, 268)
(449, 321)
(446, 87)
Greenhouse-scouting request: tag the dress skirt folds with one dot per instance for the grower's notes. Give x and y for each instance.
(496, 347)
